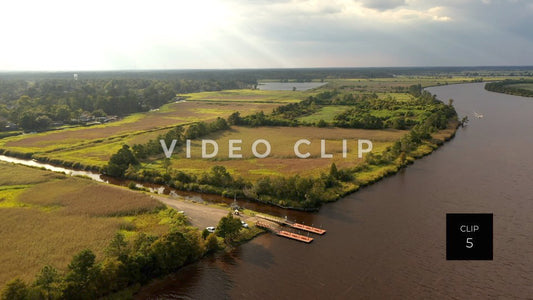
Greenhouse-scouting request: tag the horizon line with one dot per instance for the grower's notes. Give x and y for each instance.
(267, 68)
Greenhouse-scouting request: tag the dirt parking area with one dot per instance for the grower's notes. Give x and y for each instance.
(200, 215)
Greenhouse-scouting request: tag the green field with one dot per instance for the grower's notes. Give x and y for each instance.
(524, 86)
(387, 85)
(326, 113)
(253, 96)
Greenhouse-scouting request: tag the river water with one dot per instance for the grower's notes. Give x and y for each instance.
(388, 240)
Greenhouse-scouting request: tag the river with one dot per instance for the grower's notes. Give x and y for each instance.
(388, 240)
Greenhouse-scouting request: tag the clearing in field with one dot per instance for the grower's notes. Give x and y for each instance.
(326, 113)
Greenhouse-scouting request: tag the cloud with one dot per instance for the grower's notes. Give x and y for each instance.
(382, 5)
(263, 33)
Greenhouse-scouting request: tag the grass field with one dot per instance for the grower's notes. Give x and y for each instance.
(524, 86)
(45, 218)
(282, 160)
(253, 96)
(384, 85)
(326, 113)
(92, 146)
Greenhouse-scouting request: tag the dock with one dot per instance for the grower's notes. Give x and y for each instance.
(293, 224)
(295, 236)
(308, 228)
(283, 233)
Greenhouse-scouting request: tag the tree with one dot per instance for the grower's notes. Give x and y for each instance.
(118, 246)
(450, 102)
(27, 120)
(464, 121)
(205, 233)
(47, 281)
(333, 172)
(321, 123)
(80, 281)
(120, 161)
(62, 113)
(42, 122)
(15, 290)
(402, 158)
(235, 118)
(211, 243)
(99, 113)
(228, 227)
(171, 251)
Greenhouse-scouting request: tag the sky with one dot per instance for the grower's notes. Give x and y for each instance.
(220, 34)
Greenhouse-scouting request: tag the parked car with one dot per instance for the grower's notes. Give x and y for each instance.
(244, 224)
(211, 229)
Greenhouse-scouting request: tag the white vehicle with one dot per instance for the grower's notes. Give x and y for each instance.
(244, 224)
(211, 229)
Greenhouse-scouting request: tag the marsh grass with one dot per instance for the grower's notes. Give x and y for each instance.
(45, 218)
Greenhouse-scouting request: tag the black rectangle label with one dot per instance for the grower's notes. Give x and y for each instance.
(469, 237)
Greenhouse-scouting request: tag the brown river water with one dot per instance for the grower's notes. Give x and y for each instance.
(388, 241)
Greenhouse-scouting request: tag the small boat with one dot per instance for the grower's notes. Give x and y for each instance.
(477, 115)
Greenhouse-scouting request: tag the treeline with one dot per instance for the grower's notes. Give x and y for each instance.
(125, 264)
(179, 133)
(358, 115)
(45, 103)
(507, 87)
(127, 158)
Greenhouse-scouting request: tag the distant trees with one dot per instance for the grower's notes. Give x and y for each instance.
(180, 134)
(511, 87)
(37, 106)
(366, 111)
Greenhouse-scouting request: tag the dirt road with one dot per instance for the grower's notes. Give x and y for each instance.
(200, 215)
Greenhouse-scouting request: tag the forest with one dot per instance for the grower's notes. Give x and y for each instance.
(42, 104)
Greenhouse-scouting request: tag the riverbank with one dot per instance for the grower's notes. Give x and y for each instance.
(521, 87)
(49, 218)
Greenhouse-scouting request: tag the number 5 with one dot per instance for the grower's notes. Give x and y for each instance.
(469, 243)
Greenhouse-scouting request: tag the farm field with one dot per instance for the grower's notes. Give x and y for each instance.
(384, 85)
(282, 161)
(92, 146)
(46, 217)
(253, 96)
